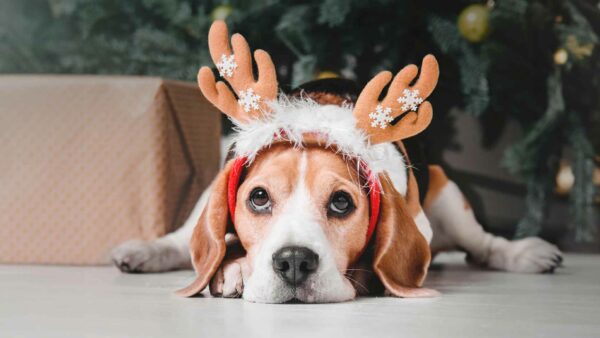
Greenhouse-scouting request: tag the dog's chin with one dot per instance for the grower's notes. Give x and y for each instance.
(317, 293)
(314, 290)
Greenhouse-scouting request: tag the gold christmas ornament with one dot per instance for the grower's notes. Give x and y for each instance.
(221, 12)
(596, 176)
(474, 23)
(561, 56)
(564, 179)
(326, 74)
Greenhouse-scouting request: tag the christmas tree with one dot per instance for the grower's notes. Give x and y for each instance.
(535, 62)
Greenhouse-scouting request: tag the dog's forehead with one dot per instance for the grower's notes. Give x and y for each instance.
(284, 159)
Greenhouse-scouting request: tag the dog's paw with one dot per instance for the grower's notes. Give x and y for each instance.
(527, 255)
(131, 255)
(147, 256)
(228, 282)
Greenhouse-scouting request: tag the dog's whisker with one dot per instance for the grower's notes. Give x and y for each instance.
(354, 281)
(369, 271)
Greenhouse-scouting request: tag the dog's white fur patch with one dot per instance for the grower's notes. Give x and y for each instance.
(297, 226)
(424, 226)
(296, 117)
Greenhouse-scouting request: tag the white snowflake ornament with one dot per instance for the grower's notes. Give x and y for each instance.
(249, 100)
(411, 100)
(381, 117)
(227, 65)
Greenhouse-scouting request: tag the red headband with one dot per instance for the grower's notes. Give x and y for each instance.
(374, 193)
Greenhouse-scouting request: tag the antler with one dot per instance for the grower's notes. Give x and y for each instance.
(236, 68)
(375, 117)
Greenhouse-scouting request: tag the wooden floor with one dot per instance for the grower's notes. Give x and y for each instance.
(44, 301)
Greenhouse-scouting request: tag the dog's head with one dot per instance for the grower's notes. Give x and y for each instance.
(311, 179)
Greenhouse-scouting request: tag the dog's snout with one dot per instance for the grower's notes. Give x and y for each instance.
(294, 264)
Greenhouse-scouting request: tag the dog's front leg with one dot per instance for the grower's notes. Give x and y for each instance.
(160, 255)
(170, 252)
(229, 280)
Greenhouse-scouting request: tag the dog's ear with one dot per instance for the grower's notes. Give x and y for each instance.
(402, 254)
(207, 246)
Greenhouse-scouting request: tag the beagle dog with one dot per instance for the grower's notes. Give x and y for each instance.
(317, 200)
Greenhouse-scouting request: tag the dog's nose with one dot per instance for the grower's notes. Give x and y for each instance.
(294, 264)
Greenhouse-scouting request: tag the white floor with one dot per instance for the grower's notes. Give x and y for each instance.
(45, 301)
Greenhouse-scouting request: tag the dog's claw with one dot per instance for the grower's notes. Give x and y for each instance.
(123, 266)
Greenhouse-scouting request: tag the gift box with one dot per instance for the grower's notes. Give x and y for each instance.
(87, 162)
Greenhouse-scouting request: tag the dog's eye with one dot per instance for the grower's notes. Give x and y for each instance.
(259, 200)
(340, 204)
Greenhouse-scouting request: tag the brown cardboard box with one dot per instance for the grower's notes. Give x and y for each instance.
(87, 162)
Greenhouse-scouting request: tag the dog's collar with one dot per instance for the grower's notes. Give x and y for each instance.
(373, 183)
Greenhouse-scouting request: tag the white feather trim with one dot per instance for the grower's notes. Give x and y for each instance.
(297, 116)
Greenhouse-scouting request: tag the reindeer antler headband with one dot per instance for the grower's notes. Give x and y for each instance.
(258, 100)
